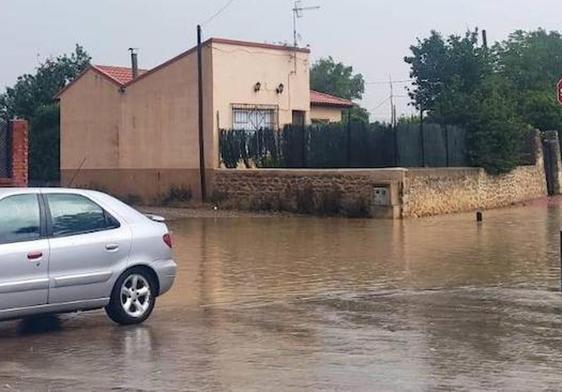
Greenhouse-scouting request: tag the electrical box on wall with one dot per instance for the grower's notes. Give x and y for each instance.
(381, 196)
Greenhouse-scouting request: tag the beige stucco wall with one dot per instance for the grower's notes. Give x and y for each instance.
(90, 123)
(326, 113)
(150, 128)
(144, 132)
(236, 70)
(160, 117)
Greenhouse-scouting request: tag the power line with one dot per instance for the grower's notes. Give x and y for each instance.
(394, 81)
(220, 11)
(392, 106)
(382, 103)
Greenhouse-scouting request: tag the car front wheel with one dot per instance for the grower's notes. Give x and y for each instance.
(133, 298)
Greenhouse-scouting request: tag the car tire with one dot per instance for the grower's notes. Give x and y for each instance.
(133, 297)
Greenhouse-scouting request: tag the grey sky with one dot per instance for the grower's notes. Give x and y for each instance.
(371, 35)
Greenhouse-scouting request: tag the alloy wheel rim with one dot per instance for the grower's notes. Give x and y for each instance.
(135, 295)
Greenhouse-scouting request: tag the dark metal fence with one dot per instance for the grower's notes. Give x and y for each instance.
(353, 145)
(5, 149)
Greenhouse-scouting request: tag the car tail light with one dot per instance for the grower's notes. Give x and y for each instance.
(168, 240)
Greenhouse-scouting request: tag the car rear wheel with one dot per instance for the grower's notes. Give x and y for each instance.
(133, 298)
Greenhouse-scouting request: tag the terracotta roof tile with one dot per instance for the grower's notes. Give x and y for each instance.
(322, 99)
(122, 75)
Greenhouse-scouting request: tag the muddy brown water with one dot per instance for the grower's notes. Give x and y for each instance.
(306, 304)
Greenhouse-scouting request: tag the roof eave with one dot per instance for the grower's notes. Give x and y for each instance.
(333, 106)
(84, 72)
(209, 41)
(234, 42)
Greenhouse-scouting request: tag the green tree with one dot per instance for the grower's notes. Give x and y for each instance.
(446, 68)
(44, 143)
(494, 127)
(532, 62)
(329, 77)
(427, 69)
(456, 82)
(359, 113)
(540, 109)
(32, 98)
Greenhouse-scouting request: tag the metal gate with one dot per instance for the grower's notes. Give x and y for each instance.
(5, 149)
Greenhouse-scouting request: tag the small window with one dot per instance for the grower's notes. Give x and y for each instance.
(75, 214)
(19, 219)
(252, 118)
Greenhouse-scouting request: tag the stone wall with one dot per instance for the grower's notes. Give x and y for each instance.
(430, 192)
(410, 192)
(321, 192)
(444, 191)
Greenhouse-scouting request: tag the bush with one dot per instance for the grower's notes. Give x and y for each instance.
(177, 194)
(494, 134)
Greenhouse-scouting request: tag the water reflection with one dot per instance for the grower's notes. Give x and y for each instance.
(326, 304)
(39, 325)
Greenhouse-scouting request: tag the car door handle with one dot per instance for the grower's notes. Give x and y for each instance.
(34, 256)
(112, 247)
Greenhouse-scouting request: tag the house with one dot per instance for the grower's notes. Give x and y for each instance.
(140, 135)
(325, 108)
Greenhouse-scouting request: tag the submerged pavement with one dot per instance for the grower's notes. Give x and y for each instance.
(307, 304)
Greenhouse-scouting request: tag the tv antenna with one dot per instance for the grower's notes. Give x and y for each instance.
(298, 12)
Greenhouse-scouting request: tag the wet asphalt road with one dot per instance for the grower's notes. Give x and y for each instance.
(306, 304)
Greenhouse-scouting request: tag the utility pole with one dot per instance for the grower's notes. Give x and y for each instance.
(393, 121)
(392, 108)
(201, 133)
(484, 39)
(348, 152)
(422, 141)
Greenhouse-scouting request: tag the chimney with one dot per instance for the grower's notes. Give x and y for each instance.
(134, 62)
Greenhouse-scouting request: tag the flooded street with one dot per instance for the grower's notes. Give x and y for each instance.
(306, 304)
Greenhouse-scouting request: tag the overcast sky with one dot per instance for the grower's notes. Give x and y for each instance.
(371, 35)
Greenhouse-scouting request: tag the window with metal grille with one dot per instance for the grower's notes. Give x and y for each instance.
(252, 118)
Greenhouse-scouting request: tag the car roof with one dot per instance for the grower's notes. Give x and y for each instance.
(11, 191)
(115, 205)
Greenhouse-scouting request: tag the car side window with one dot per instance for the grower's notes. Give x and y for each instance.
(76, 214)
(19, 219)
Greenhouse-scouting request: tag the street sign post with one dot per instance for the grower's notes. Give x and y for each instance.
(559, 91)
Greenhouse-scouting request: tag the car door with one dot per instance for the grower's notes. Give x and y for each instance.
(24, 253)
(89, 248)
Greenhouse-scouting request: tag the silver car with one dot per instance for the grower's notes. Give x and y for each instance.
(65, 250)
